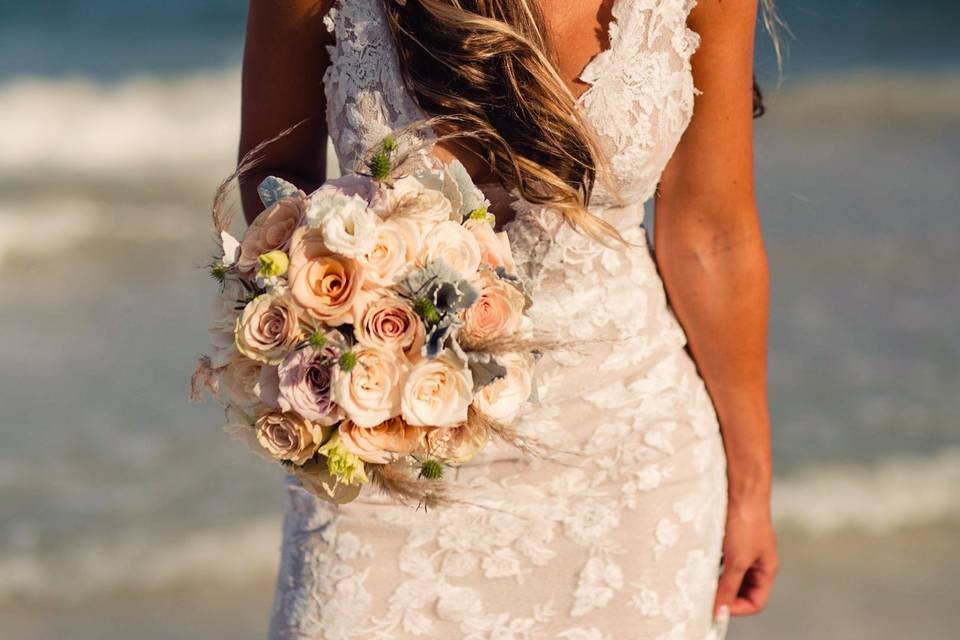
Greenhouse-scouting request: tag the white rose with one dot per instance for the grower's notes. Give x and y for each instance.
(226, 310)
(396, 245)
(454, 245)
(370, 392)
(503, 398)
(347, 223)
(437, 392)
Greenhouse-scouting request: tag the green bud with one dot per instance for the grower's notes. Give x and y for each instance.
(426, 310)
(380, 166)
(318, 339)
(431, 470)
(389, 144)
(218, 271)
(481, 214)
(347, 361)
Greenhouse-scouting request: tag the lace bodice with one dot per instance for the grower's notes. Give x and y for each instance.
(639, 100)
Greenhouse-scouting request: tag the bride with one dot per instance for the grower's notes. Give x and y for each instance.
(579, 111)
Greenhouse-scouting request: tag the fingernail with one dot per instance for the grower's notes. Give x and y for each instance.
(723, 614)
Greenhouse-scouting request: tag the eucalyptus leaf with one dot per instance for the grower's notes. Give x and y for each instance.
(273, 189)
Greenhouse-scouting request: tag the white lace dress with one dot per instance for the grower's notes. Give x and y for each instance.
(621, 541)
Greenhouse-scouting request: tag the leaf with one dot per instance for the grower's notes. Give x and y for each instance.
(485, 370)
(273, 189)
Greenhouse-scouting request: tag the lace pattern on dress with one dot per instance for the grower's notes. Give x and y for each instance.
(622, 540)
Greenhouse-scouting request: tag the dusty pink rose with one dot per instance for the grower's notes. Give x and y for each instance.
(494, 246)
(389, 322)
(497, 313)
(270, 231)
(268, 328)
(288, 436)
(324, 284)
(383, 443)
(305, 382)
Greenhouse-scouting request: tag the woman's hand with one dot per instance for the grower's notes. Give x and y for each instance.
(750, 560)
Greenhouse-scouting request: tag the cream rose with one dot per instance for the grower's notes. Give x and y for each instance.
(325, 285)
(389, 323)
(410, 198)
(268, 328)
(288, 436)
(396, 245)
(437, 392)
(497, 312)
(369, 392)
(270, 231)
(494, 246)
(452, 243)
(502, 399)
(383, 443)
(457, 444)
(240, 382)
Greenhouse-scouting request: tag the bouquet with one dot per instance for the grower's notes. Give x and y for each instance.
(373, 331)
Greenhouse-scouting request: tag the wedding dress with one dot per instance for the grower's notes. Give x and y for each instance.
(618, 542)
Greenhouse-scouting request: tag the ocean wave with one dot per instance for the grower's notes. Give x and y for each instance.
(190, 123)
(884, 498)
(881, 498)
(66, 222)
(78, 125)
(87, 568)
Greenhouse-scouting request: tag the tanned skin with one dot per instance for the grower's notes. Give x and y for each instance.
(709, 248)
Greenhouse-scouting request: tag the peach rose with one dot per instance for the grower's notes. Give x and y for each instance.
(502, 399)
(369, 392)
(322, 283)
(497, 312)
(437, 392)
(457, 445)
(452, 243)
(268, 328)
(390, 323)
(494, 247)
(288, 436)
(396, 245)
(383, 443)
(270, 231)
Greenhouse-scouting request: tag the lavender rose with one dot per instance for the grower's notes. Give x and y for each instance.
(306, 377)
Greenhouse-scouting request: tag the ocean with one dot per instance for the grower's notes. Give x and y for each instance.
(127, 513)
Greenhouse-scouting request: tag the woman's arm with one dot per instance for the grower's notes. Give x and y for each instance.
(284, 60)
(710, 253)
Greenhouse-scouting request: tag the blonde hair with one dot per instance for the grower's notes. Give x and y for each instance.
(485, 68)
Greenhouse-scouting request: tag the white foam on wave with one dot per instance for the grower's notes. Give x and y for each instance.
(877, 499)
(87, 568)
(83, 126)
(47, 225)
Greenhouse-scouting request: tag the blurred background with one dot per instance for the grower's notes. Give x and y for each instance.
(127, 513)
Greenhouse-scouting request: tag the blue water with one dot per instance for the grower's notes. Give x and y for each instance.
(113, 38)
(118, 118)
